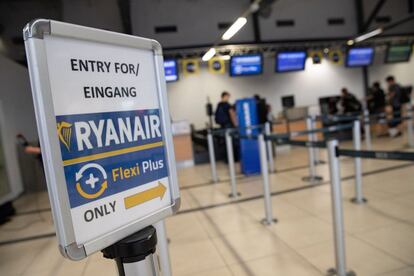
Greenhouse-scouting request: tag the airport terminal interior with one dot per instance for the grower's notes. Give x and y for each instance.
(206, 137)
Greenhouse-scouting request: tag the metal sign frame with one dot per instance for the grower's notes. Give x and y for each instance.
(34, 33)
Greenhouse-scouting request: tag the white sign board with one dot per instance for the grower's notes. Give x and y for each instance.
(103, 120)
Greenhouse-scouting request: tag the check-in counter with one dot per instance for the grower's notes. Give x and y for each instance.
(183, 146)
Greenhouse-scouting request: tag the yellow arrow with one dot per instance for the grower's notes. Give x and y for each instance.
(92, 196)
(145, 196)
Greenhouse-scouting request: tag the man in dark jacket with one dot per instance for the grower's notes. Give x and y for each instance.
(394, 98)
(349, 102)
(225, 115)
(376, 99)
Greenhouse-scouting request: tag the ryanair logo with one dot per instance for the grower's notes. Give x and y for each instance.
(90, 132)
(64, 131)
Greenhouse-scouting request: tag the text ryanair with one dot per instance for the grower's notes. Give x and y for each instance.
(108, 132)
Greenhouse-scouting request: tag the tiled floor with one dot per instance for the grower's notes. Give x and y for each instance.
(215, 235)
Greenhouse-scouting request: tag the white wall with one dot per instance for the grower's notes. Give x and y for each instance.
(188, 96)
(17, 114)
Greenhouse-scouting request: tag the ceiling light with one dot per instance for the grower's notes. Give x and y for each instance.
(240, 22)
(209, 54)
(350, 42)
(368, 35)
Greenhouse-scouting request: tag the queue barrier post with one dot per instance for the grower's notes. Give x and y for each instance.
(367, 130)
(311, 156)
(268, 220)
(212, 156)
(410, 132)
(230, 160)
(315, 139)
(134, 255)
(337, 213)
(162, 249)
(269, 147)
(356, 134)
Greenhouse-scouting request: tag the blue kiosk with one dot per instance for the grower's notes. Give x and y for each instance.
(249, 152)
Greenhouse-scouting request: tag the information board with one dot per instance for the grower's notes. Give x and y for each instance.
(103, 121)
(171, 70)
(245, 65)
(357, 57)
(398, 53)
(290, 61)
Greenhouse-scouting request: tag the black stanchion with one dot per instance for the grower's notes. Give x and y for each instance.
(134, 255)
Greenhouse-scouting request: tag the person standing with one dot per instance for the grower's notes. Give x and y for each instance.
(376, 99)
(225, 115)
(394, 99)
(349, 102)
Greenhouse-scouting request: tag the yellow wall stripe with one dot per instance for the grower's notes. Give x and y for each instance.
(111, 153)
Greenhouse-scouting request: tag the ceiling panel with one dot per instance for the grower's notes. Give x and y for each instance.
(188, 22)
(312, 19)
(391, 11)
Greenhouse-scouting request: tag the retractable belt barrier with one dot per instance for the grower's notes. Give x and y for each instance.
(269, 147)
(337, 213)
(370, 154)
(316, 152)
(337, 118)
(383, 121)
(222, 131)
(308, 144)
(323, 130)
(367, 130)
(212, 156)
(334, 152)
(230, 161)
(377, 118)
(244, 136)
(235, 132)
(228, 134)
(284, 138)
(358, 115)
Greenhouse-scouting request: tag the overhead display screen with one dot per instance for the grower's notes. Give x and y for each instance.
(290, 61)
(246, 65)
(398, 53)
(362, 56)
(171, 70)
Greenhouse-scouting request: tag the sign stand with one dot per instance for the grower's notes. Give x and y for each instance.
(162, 248)
(105, 132)
(134, 255)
